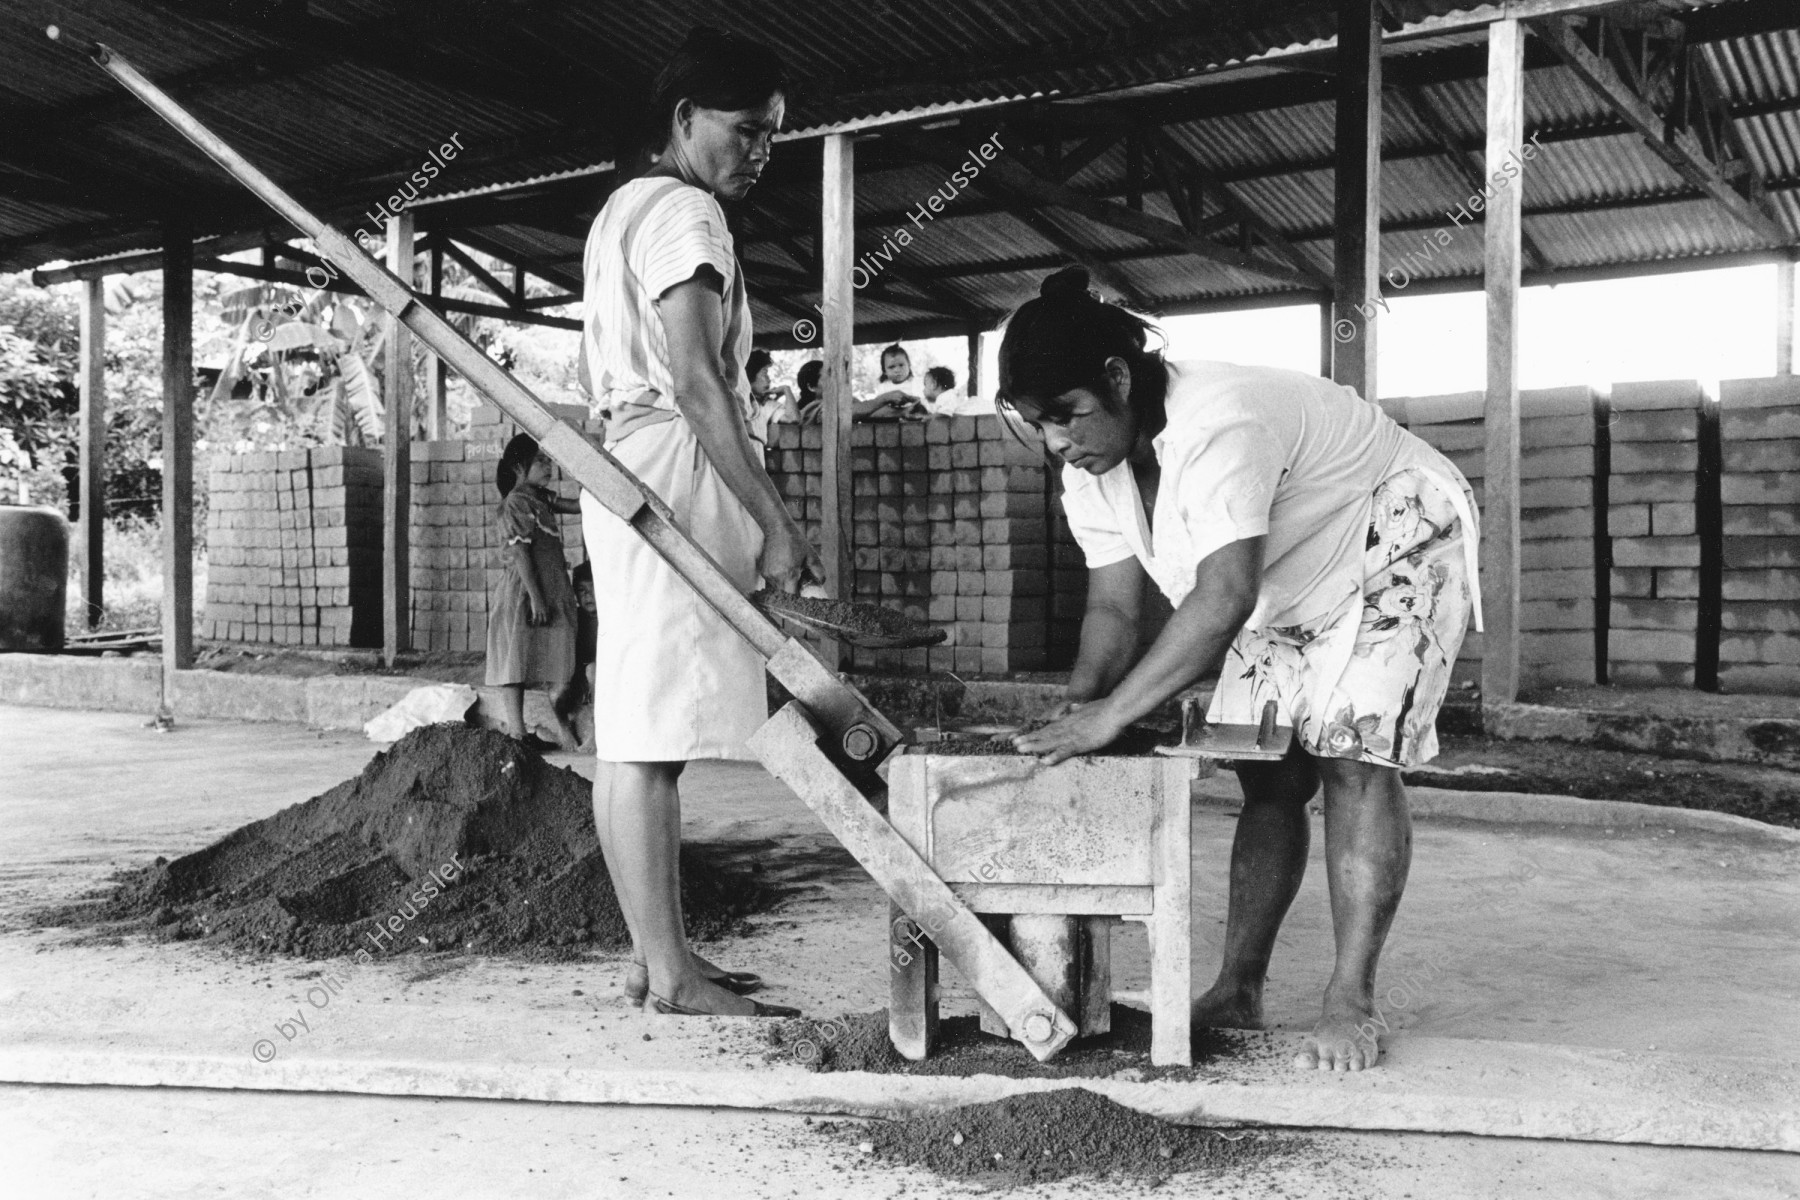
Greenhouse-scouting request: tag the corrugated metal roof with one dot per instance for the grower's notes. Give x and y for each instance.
(335, 112)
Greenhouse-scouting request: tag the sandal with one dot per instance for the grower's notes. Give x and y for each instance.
(655, 1003)
(637, 982)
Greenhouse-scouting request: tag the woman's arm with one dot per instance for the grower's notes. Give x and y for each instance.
(1190, 645)
(694, 321)
(538, 612)
(1109, 629)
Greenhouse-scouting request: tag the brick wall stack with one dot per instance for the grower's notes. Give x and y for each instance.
(456, 554)
(1557, 543)
(1759, 644)
(1654, 430)
(952, 522)
(294, 548)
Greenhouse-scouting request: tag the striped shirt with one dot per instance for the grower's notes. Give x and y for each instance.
(653, 233)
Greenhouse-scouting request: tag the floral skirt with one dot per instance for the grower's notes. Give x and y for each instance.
(1404, 632)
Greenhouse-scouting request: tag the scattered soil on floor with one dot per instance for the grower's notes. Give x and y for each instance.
(1483, 764)
(852, 617)
(1045, 1136)
(1136, 741)
(454, 838)
(860, 1042)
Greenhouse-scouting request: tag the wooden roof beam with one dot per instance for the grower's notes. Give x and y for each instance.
(1683, 151)
(1014, 183)
(1229, 203)
(1102, 271)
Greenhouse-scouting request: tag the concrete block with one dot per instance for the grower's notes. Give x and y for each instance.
(1655, 614)
(1636, 581)
(971, 583)
(1650, 646)
(1661, 487)
(1453, 406)
(1538, 615)
(1655, 425)
(1752, 457)
(1656, 552)
(1539, 524)
(1556, 554)
(1575, 583)
(1639, 395)
(1765, 617)
(1762, 520)
(1628, 520)
(1759, 679)
(1746, 553)
(968, 608)
(1775, 488)
(1553, 493)
(1548, 646)
(1772, 649)
(1677, 583)
(1653, 458)
(1541, 432)
(1673, 519)
(1759, 424)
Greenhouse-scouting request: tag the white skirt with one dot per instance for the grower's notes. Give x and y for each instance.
(672, 681)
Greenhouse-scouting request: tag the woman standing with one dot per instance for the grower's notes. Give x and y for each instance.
(667, 334)
(1317, 555)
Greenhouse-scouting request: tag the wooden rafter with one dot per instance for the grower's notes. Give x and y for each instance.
(1240, 213)
(1015, 183)
(1683, 151)
(1098, 267)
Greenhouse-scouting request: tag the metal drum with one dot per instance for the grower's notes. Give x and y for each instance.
(34, 577)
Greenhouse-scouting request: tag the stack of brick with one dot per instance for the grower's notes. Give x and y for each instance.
(1557, 540)
(950, 523)
(1654, 430)
(1759, 646)
(294, 548)
(456, 554)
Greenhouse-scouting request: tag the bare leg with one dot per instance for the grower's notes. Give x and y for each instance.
(1268, 861)
(1368, 852)
(562, 705)
(637, 813)
(512, 707)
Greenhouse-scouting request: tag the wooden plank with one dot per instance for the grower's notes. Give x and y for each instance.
(437, 409)
(1682, 151)
(1501, 263)
(788, 746)
(972, 381)
(1171, 928)
(1357, 215)
(92, 550)
(1119, 900)
(396, 457)
(837, 256)
(178, 456)
(1784, 317)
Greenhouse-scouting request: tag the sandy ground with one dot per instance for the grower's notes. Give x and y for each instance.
(1630, 941)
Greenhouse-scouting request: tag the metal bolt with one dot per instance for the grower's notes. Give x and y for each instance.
(860, 742)
(1039, 1027)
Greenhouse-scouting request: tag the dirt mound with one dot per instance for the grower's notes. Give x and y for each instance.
(1052, 1135)
(452, 838)
(859, 1042)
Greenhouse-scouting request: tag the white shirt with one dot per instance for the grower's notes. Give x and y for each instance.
(652, 234)
(1258, 452)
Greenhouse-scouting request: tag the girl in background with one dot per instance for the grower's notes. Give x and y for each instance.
(531, 627)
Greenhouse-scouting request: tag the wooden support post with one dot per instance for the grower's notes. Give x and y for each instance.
(1326, 344)
(437, 415)
(92, 497)
(396, 458)
(1357, 236)
(912, 986)
(837, 254)
(1500, 519)
(972, 385)
(1784, 317)
(178, 457)
(1096, 975)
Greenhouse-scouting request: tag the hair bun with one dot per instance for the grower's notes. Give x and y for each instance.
(1070, 283)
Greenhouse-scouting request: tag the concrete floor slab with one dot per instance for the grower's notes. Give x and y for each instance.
(1659, 946)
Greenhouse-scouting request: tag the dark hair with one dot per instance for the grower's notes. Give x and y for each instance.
(1062, 339)
(515, 462)
(758, 360)
(808, 378)
(715, 70)
(896, 348)
(944, 377)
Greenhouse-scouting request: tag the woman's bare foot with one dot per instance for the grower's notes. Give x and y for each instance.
(1347, 1038)
(1225, 1006)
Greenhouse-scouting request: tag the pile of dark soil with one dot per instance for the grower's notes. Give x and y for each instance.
(465, 836)
(859, 1042)
(1052, 1135)
(1483, 764)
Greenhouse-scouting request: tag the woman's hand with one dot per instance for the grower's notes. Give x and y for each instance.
(1086, 728)
(537, 612)
(787, 559)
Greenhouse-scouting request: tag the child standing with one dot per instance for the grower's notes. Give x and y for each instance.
(532, 623)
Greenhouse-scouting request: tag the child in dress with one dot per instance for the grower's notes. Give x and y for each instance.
(532, 621)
